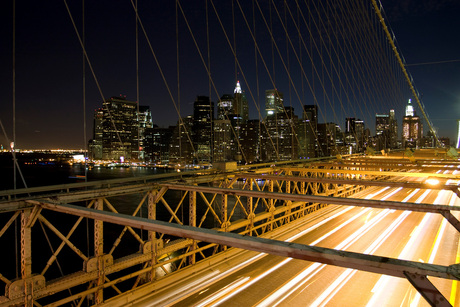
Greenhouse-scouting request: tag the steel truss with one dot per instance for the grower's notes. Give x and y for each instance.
(176, 223)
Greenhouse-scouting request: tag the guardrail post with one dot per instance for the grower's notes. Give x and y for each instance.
(152, 215)
(98, 253)
(249, 208)
(26, 257)
(271, 203)
(192, 222)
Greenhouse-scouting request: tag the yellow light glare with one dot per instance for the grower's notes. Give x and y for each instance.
(432, 181)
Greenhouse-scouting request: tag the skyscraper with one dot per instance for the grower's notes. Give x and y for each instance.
(181, 147)
(308, 132)
(225, 107)
(412, 128)
(240, 103)
(279, 138)
(119, 124)
(354, 133)
(386, 130)
(203, 116)
(145, 122)
(273, 102)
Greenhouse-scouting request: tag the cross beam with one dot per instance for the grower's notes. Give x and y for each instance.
(374, 173)
(409, 185)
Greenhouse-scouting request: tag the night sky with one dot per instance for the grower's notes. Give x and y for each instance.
(49, 103)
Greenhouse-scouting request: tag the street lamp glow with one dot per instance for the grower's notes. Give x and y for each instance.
(432, 181)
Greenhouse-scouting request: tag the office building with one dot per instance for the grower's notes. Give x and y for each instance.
(273, 102)
(412, 129)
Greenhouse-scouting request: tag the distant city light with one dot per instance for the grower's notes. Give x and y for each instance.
(79, 158)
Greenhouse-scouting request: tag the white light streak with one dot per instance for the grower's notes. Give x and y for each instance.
(230, 287)
(376, 193)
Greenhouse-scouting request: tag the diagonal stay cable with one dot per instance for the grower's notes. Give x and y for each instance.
(93, 73)
(162, 74)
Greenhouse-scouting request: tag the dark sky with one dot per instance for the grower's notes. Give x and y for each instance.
(428, 31)
(49, 103)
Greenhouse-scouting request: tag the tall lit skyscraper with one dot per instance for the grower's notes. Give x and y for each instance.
(412, 128)
(240, 103)
(145, 122)
(273, 102)
(410, 109)
(225, 107)
(386, 130)
(120, 126)
(382, 123)
(354, 133)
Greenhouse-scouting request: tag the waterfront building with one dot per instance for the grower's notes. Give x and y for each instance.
(119, 125)
(95, 144)
(118, 130)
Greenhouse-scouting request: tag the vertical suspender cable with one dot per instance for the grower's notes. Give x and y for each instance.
(259, 141)
(84, 104)
(178, 81)
(139, 156)
(137, 96)
(14, 130)
(84, 86)
(211, 117)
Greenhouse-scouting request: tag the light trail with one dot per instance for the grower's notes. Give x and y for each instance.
(230, 287)
(382, 284)
(340, 282)
(256, 279)
(200, 283)
(376, 193)
(437, 242)
(286, 290)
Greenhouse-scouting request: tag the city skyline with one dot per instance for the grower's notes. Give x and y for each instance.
(48, 58)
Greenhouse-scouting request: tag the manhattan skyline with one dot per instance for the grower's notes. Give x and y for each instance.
(49, 110)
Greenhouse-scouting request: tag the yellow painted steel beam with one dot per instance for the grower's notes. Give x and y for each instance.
(419, 207)
(411, 185)
(377, 173)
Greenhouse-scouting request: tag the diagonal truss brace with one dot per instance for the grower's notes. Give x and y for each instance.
(418, 207)
(364, 262)
(426, 289)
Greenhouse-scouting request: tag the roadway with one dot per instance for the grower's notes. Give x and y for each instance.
(265, 280)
